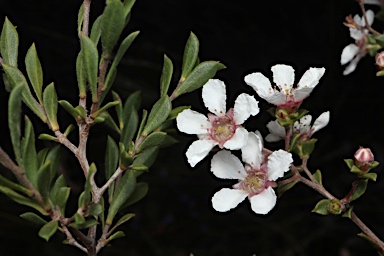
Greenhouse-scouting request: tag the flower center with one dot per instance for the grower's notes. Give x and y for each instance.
(222, 129)
(254, 183)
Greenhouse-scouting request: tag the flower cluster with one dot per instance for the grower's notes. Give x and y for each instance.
(352, 53)
(259, 168)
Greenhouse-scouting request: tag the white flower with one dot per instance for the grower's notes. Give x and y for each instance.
(352, 53)
(283, 94)
(220, 128)
(277, 132)
(256, 178)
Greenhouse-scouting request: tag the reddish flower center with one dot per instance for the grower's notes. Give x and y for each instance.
(254, 183)
(222, 129)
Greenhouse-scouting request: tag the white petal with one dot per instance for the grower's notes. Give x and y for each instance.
(251, 152)
(278, 163)
(227, 199)
(356, 34)
(238, 140)
(284, 76)
(214, 97)
(348, 53)
(320, 122)
(303, 125)
(311, 78)
(198, 150)
(277, 132)
(224, 165)
(352, 65)
(192, 122)
(264, 202)
(370, 16)
(245, 105)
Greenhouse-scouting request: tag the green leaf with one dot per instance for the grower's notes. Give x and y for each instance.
(87, 224)
(35, 72)
(15, 77)
(154, 139)
(48, 230)
(122, 220)
(108, 121)
(28, 153)
(22, 199)
(111, 161)
(356, 170)
(34, 218)
(95, 209)
(370, 176)
(360, 190)
(44, 181)
(130, 127)
(318, 177)
(139, 167)
(69, 108)
(69, 129)
(132, 102)
(322, 207)
(111, 157)
(308, 147)
(54, 157)
(59, 194)
(158, 114)
(112, 24)
(125, 44)
(45, 136)
(81, 112)
(147, 157)
(122, 193)
(90, 60)
(14, 121)
(50, 105)
(79, 219)
(9, 43)
(128, 6)
(166, 76)
(80, 18)
(14, 186)
(191, 52)
(198, 77)
(81, 75)
(119, 109)
(96, 30)
(142, 123)
(349, 162)
(88, 186)
(141, 190)
(116, 235)
(284, 188)
(348, 213)
(104, 108)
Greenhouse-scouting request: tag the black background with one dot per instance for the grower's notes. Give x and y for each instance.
(176, 217)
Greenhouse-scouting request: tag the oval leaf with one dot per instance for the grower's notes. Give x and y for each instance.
(154, 139)
(50, 105)
(191, 52)
(112, 24)
(166, 76)
(122, 193)
(322, 207)
(90, 60)
(198, 77)
(35, 72)
(14, 120)
(9, 43)
(158, 114)
(48, 230)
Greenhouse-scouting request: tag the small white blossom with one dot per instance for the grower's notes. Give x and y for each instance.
(283, 94)
(222, 128)
(277, 132)
(352, 53)
(256, 178)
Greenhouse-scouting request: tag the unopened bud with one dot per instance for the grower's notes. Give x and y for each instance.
(335, 207)
(380, 60)
(364, 155)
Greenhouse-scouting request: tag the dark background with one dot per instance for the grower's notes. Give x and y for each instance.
(176, 217)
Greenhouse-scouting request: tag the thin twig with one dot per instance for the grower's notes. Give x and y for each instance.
(87, 4)
(367, 25)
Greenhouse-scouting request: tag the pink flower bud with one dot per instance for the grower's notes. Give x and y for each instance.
(364, 155)
(380, 60)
